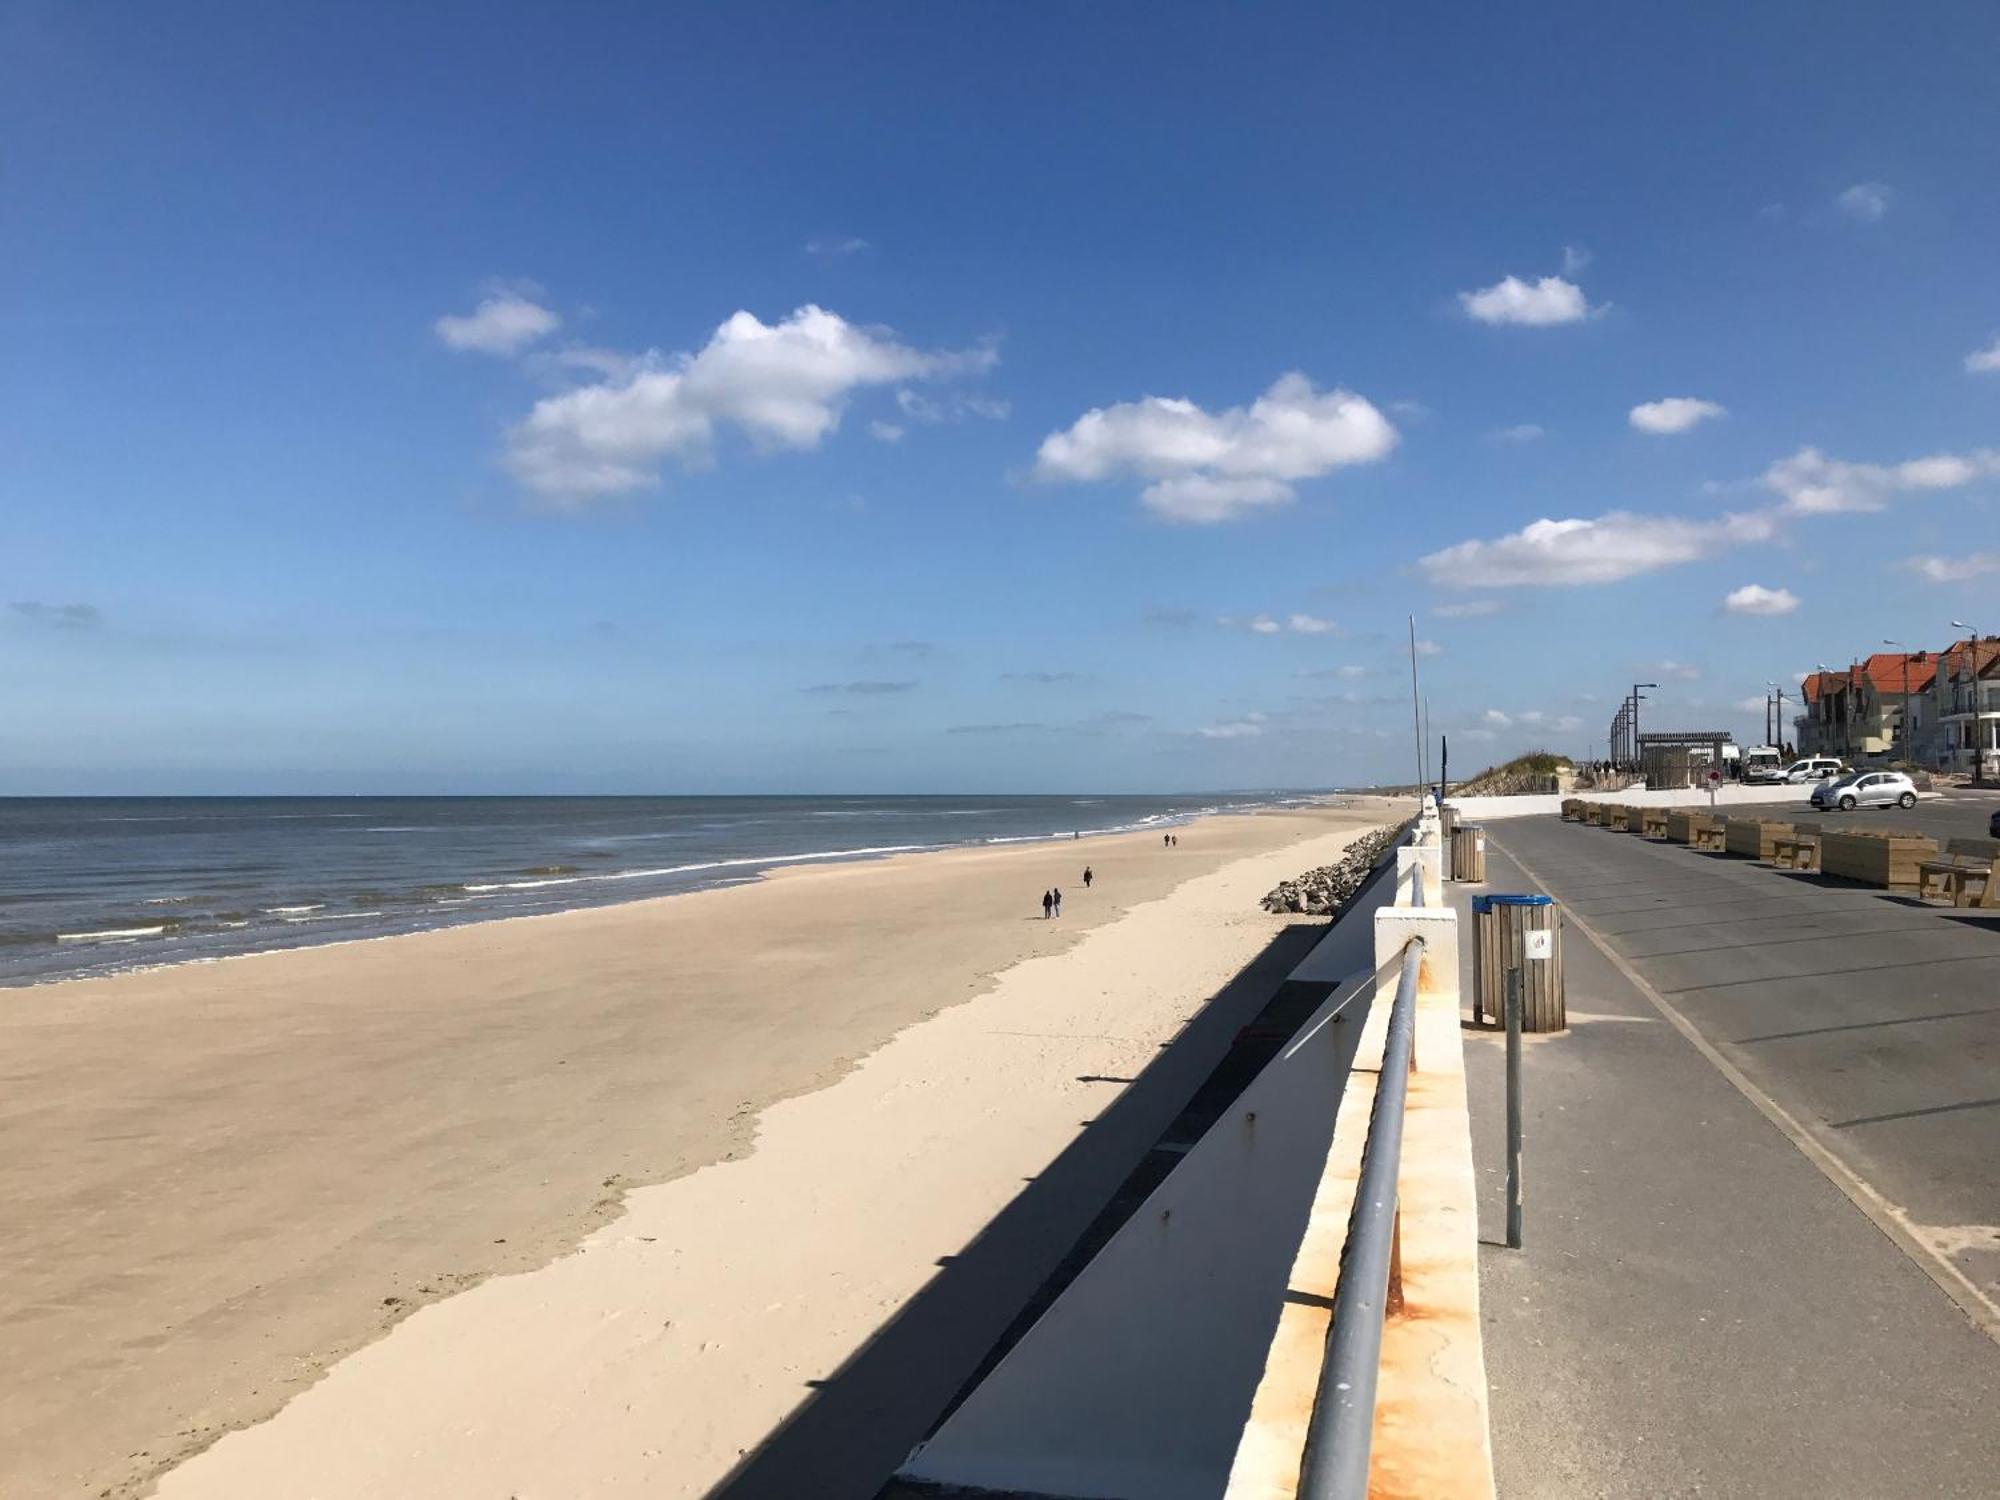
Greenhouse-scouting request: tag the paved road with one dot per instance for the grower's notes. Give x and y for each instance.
(1871, 1017)
(1698, 1309)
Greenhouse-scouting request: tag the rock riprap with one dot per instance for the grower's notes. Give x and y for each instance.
(1322, 892)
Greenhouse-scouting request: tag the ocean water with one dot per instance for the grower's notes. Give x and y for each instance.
(93, 885)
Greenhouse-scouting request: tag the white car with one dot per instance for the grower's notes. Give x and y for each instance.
(1866, 789)
(1813, 768)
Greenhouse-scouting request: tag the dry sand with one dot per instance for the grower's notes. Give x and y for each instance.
(223, 1180)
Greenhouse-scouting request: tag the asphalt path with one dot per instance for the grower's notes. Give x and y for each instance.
(1871, 1017)
(1701, 1306)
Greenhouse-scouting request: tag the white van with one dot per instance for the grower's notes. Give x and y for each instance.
(1813, 768)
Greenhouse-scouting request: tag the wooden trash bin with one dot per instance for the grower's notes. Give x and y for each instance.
(1653, 822)
(1501, 941)
(1468, 853)
(1888, 860)
(1752, 837)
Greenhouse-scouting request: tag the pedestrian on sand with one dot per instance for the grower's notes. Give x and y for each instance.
(1086, 877)
(1166, 839)
(1058, 895)
(1048, 905)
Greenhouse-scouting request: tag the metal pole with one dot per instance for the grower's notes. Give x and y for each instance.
(1416, 709)
(1514, 1107)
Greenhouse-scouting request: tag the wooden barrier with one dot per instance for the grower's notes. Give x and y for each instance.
(1889, 860)
(1706, 833)
(1798, 849)
(1572, 809)
(1680, 825)
(1752, 837)
(1635, 820)
(1618, 818)
(1653, 822)
(1593, 812)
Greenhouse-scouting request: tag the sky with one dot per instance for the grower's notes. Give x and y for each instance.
(973, 397)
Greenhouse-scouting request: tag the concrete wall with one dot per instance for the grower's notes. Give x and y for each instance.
(1486, 809)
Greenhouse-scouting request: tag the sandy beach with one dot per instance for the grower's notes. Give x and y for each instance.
(576, 1204)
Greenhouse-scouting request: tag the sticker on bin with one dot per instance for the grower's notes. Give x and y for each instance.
(1538, 944)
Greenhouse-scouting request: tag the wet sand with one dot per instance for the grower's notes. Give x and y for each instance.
(224, 1179)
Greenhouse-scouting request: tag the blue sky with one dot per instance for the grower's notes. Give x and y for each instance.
(700, 399)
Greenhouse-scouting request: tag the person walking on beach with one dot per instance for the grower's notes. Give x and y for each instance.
(1048, 905)
(1086, 877)
(1166, 839)
(1058, 895)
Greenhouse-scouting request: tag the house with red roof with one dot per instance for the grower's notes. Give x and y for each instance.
(1884, 706)
(1966, 694)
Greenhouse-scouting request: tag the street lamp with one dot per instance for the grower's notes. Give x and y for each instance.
(1972, 656)
(1909, 756)
(1778, 723)
(1637, 755)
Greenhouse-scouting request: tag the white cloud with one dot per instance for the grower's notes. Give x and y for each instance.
(782, 384)
(1954, 569)
(504, 323)
(1493, 718)
(1984, 361)
(1206, 467)
(955, 407)
(1429, 648)
(1672, 414)
(1265, 625)
(1468, 609)
(885, 432)
(1538, 304)
(1311, 625)
(1610, 547)
(1245, 728)
(1867, 201)
(1678, 671)
(1755, 599)
(1755, 704)
(836, 244)
(1813, 484)
(1523, 432)
(1351, 672)
(1575, 259)
(1568, 724)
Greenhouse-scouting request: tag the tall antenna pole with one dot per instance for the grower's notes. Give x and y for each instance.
(1416, 707)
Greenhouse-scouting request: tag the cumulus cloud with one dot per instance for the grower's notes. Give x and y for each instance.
(1954, 569)
(1751, 705)
(1610, 547)
(955, 407)
(1984, 361)
(1813, 484)
(1493, 718)
(1866, 201)
(1538, 304)
(1755, 599)
(1468, 609)
(1310, 625)
(1521, 432)
(1679, 671)
(1206, 467)
(1296, 624)
(504, 323)
(1672, 414)
(1429, 648)
(58, 616)
(783, 385)
(885, 432)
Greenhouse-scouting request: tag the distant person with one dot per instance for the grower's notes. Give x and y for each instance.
(1048, 905)
(1057, 893)
(1086, 877)
(1166, 839)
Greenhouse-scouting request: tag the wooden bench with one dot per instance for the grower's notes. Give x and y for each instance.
(1797, 849)
(1653, 822)
(1619, 818)
(1710, 834)
(1753, 837)
(1966, 874)
(1572, 809)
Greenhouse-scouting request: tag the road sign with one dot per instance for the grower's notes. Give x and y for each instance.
(1712, 776)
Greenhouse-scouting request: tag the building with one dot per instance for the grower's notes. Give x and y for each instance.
(1966, 699)
(1861, 711)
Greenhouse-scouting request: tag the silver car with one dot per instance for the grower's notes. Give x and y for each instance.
(1866, 789)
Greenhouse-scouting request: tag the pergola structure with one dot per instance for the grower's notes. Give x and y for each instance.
(1669, 756)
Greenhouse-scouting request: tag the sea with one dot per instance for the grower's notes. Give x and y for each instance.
(93, 885)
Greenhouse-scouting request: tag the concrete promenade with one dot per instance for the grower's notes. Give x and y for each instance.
(1710, 1302)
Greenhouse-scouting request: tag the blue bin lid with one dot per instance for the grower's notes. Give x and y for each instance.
(1487, 903)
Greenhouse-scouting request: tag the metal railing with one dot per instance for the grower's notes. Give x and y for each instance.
(1335, 1466)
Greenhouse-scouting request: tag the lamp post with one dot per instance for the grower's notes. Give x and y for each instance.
(1778, 694)
(1637, 756)
(1972, 657)
(1909, 754)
